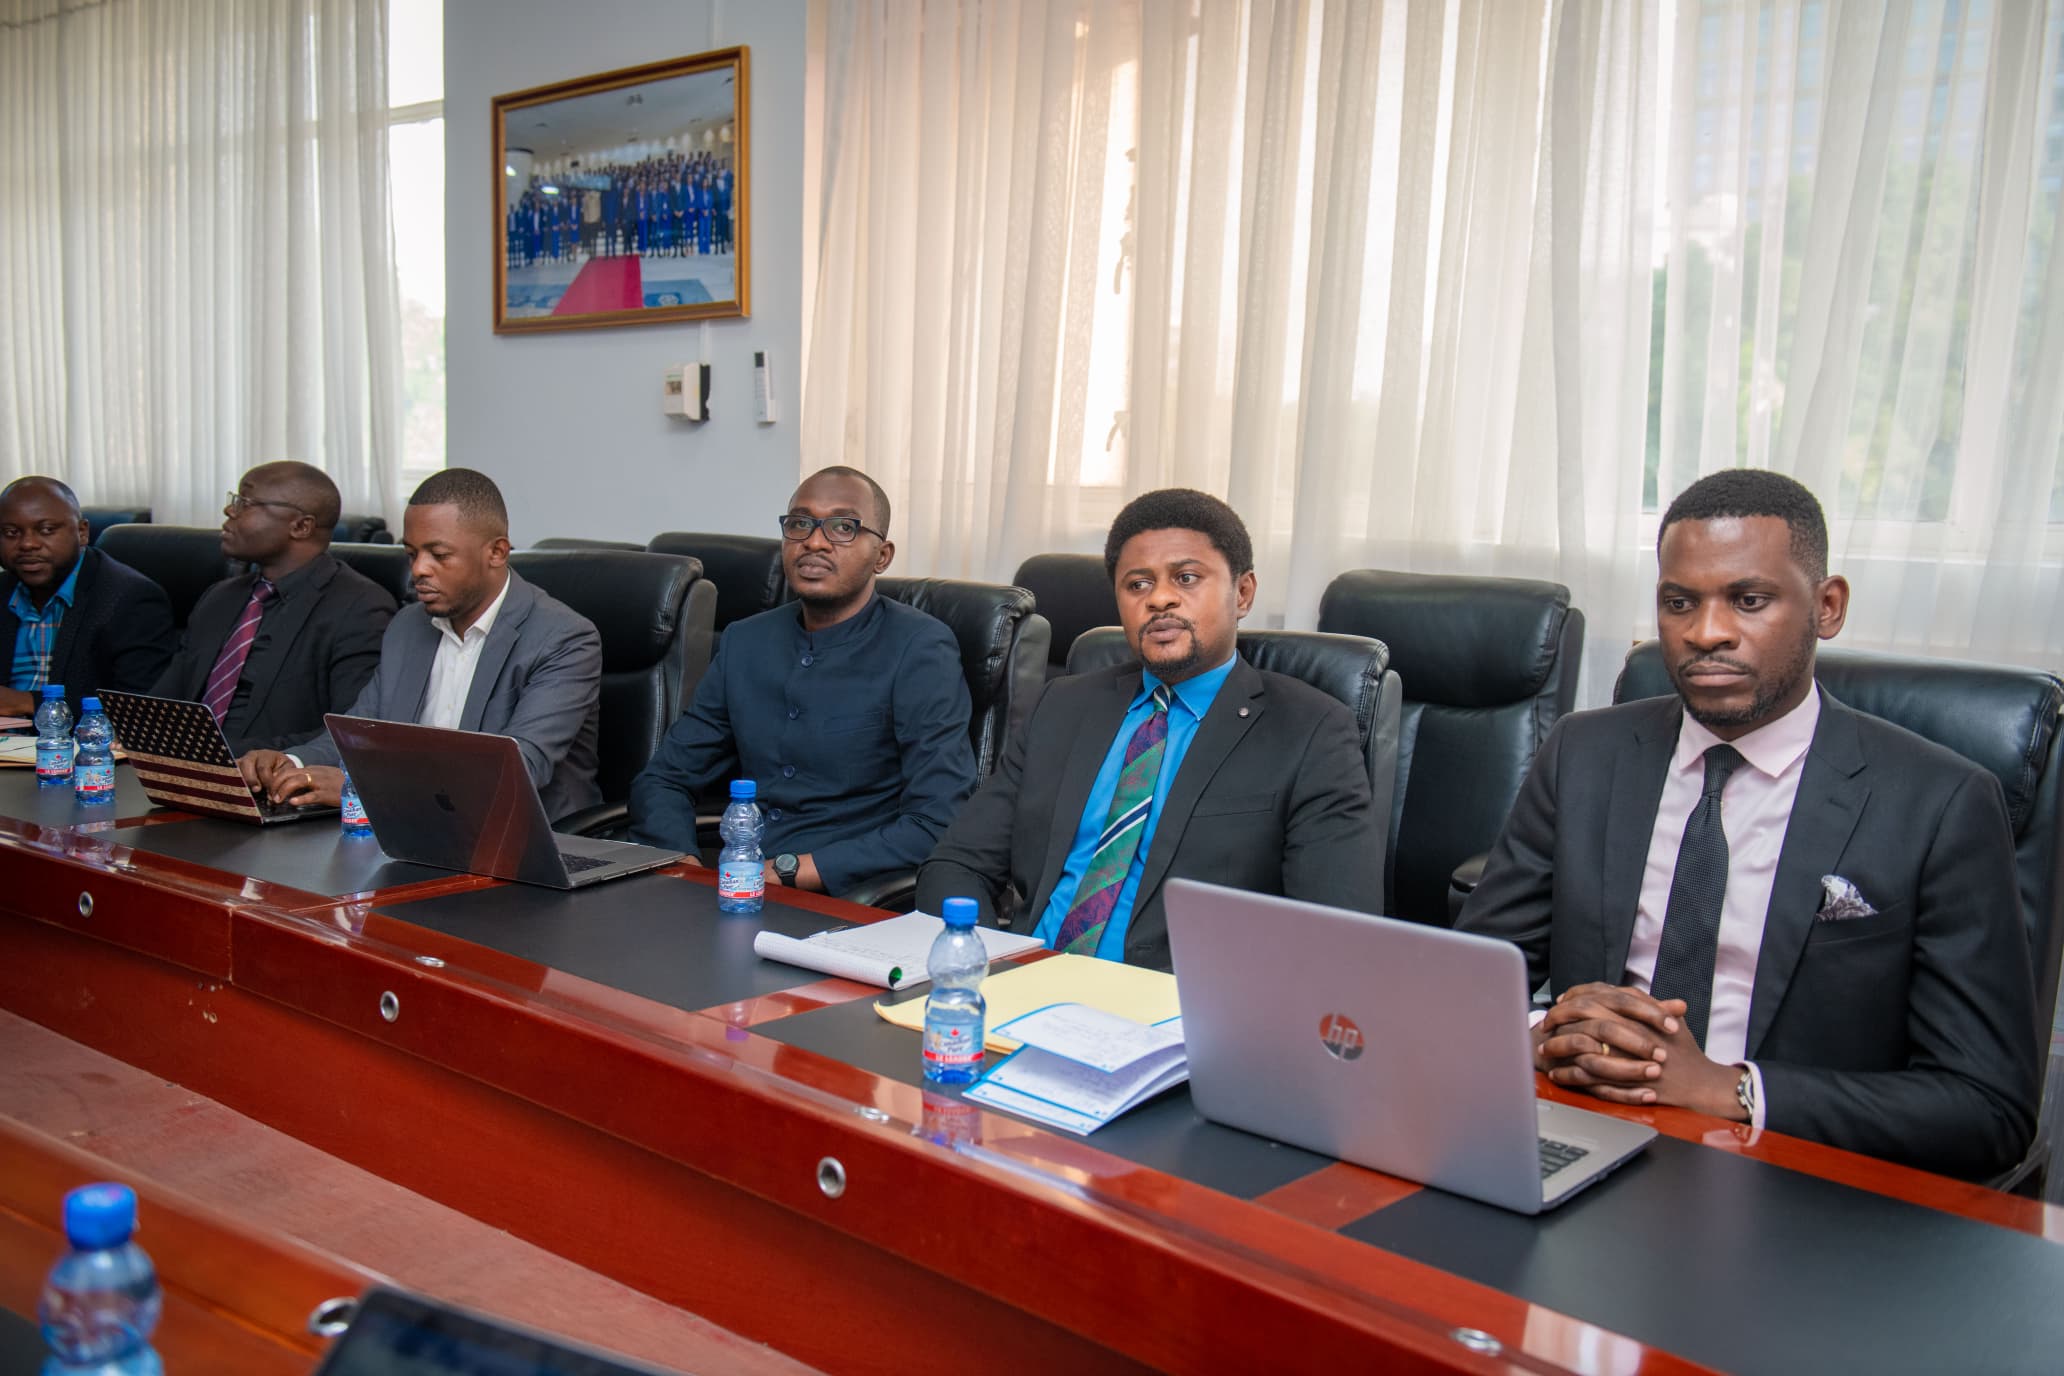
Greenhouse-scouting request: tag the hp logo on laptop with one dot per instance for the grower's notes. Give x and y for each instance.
(1341, 1038)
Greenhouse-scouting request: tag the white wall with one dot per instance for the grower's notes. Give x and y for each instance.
(569, 424)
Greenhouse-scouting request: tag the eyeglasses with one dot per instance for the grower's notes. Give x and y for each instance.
(840, 530)
(238, 501)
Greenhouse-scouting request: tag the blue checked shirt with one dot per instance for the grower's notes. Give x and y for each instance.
(36, 638)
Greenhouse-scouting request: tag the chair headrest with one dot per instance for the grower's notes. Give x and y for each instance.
(1997, 716)
(745, 568)
(1348, 667)
(634, 598)
(1458, 641)
(983, 617)
(387, 565)
(1073, 591)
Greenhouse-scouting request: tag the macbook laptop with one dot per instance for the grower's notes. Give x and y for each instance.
(1397, 1046)
(463, 800)
(183, 760)
(395, 1333)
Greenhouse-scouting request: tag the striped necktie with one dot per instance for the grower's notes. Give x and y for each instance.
(229, 665)
(1119, 841)
(1691, 923)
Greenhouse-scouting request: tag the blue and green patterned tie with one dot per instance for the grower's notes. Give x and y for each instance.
(1119, 841)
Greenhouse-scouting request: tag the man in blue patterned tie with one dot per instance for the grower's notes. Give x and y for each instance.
(1190, 763)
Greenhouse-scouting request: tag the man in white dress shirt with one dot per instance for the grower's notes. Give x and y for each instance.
(1752, 901)
(479, 649)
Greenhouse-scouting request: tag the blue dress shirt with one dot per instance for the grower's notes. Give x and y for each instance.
(35, 639)
(1192, 699)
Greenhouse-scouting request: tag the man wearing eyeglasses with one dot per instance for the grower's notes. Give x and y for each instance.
(271, 649)
(68, 613)
(847, 709)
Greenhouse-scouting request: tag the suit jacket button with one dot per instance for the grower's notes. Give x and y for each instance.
(1243, 711)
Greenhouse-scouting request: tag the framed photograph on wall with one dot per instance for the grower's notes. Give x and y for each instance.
(621, 199)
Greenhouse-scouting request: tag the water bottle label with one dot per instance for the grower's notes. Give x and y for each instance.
(953, 1046)
(95, 780)
(53, 759)
(741, 879)
(354, 812)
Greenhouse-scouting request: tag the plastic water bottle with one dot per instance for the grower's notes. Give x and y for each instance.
(956, 1009)
(101, 1300)
(93, 776)
(53, 737)
(741, 869)
(355, 823)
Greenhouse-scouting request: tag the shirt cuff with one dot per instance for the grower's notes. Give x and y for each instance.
(1762, 1109)
(1534, 1016)
(293, 759)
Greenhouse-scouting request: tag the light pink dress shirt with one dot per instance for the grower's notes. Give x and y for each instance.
(1755, 810)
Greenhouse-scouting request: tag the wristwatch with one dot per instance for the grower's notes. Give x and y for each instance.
(785, 867)
(1745, 1092)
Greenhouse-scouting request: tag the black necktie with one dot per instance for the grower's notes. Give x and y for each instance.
(1691, 924)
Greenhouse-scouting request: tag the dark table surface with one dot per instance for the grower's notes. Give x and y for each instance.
(313, 854)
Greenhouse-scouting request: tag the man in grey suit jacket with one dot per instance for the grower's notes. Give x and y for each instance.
(1192, 763)
(1752, 901)
(479, 650)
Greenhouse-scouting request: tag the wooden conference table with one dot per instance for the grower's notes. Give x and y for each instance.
(614, 1076)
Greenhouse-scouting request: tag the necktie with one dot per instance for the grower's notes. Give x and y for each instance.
(229, 665)
(1118, 843)
(1691, 924)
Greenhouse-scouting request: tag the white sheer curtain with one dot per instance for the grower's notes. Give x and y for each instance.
(1866, 290)
(196, 257)
(1322, 258)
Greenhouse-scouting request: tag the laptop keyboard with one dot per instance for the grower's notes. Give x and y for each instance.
(576, 863)
(1556, 1155)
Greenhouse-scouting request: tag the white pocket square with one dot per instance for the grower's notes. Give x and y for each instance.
(1840, 901)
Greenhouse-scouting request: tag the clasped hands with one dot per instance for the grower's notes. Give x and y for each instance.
(1621, 1045)
(272, 774)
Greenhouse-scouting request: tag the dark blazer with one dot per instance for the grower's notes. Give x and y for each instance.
(539, 680)
(316, 647)
(1903, 1034)
(118, 632)
(1272, 796)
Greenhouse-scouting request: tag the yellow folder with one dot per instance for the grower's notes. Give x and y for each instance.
(1146, 996)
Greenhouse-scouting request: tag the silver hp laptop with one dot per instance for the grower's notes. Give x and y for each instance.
(183, 760)
(462, 800)
(1389, 1044)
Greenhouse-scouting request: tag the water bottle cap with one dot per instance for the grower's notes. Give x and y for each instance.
(90, 704)
(744, 788)
(100, 1215)
(52, 690)
(959, 912)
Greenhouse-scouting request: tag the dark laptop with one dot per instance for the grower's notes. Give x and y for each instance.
(393, 1333)
(183, 760)
(463, 800)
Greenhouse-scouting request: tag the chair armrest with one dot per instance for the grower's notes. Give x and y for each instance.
(897, 892)
(598, 820)
(1462, 883)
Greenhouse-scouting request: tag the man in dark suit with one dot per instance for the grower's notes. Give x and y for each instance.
(1751, 901)
(69, 614)
(478, 650)
(1190, 764)
(273, 649)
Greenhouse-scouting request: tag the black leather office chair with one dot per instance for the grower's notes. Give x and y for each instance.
(183, 560)
(653, 612)
(1488, 665)
(745, 568)
(387, 565)
(579, 542)
(1353, 668)
(1075, 595)
(100, 518)
(356, 527)
(2003, 718)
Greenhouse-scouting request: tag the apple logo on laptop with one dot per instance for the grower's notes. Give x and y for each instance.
(444, 801)
(1341, 1038)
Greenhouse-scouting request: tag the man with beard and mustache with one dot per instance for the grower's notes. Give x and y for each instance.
(1754, 902)
(847, 709)
(1190, 764)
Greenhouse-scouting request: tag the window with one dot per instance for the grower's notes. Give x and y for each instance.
(415, 149)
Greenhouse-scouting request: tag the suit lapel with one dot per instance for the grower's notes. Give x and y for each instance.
(68, 631)
(412, 682)
(282, 628)
(1637, 790)
(501, 640)
(1099, 726)
(1832, 790)
(1234, 711)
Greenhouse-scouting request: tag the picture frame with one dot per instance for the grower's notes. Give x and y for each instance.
(623, 198)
